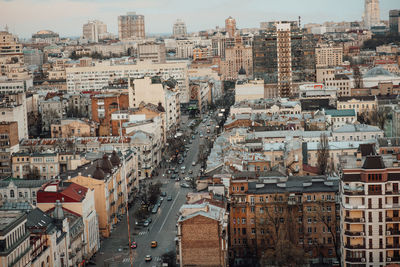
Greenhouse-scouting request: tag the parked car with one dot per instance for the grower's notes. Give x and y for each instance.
(191, 172)
(183, 171)
(177, 179)
(169, 198)
(163, 194)
(146, 223)
(194, 163)
(185, 185)
(153, 244)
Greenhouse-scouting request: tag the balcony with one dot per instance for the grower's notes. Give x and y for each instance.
(354, 220)
(354, 246)
(354, 192)
(393, 219)
(354, 233)
(397, 246)
(355, 259)
(393, 232)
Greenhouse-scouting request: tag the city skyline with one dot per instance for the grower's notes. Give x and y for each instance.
(160, 15)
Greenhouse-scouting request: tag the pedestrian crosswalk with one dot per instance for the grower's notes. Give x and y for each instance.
(143, 233)
(126, 260)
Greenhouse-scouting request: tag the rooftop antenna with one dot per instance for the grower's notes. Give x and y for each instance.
(299, 22)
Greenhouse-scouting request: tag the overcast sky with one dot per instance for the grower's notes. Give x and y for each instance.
(66, 17)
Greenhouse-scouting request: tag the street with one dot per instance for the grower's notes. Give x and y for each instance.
(114, 250)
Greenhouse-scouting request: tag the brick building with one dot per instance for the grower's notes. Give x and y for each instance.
(294, 215)
(103, 106)
(202, 235)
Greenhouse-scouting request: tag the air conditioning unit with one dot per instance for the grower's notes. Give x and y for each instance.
(362, 234)
(362, 259)
(388, 259)
(362, 220)
(387, 232)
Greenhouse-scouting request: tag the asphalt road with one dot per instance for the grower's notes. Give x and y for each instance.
(115, 250)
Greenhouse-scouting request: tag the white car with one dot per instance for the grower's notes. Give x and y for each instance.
(183, 168)
(194, 163)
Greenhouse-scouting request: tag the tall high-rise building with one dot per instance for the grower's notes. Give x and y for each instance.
(179, 29)
(94, 30)
(371, 14)
(230, 26)
(394, 21)
(284, 56)
(131, 26)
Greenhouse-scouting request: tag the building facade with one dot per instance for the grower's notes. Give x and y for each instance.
(131, 26)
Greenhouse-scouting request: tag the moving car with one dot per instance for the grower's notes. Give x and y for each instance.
(177, 179)
(153, 244)
(163, 194)
(194, 163)
(169, 198)
(134, 244)
(146, 223)
(191, 172)
(185, 185)
(148, 258)
(187, 178)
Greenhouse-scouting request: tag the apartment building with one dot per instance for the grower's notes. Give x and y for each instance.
(77, 199)
(19, 190)
(327, 55)
(108, 181)
(154, 52)
(357, 132)
(13, 108)
(9, 144)
(94, 30)
(15, 249)
(97, 77)
(230, 27)
(238, 61)
(184, 48)
(369, 210)
(202, 238)
(361, 104)
(159, 92)
(9, 49)
(44, 165)
(300, 211)
(179, 29)
(249, 90)
(131, 26)
(72, 128)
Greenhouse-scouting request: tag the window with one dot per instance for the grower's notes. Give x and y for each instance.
(243, 220)
(253, 231)
(252, 209)
(309, 220)
(20, 194)
(12, 194)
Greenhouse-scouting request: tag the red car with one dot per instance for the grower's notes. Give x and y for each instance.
(134, 245)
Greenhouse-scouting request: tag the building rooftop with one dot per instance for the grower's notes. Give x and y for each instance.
(9, 219)
(347, 128)
(340, 112)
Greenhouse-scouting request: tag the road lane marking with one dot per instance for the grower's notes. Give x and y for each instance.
(166, 217)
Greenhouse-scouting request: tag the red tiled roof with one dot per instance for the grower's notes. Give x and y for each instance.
(75, 192)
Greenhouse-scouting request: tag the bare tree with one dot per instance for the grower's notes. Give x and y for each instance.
(358, 80)
(377, 117)
(281, 227)
(323, 154)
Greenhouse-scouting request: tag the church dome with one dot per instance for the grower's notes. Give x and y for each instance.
(115, 161)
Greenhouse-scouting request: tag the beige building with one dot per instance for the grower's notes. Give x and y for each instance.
(371, 16)
(154, 52)
(72, 128)
(9, 49)
(361, 104)
(155, 91)
(15, 250)
(131, 26)
(94, 30)
(328, 56)
(106, 178)
(179, 29)
(230, 27)
(249, 90)
(238, 61)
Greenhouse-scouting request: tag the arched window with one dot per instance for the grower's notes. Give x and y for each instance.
(12, 195)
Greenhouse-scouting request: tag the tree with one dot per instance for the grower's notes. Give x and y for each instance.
(323, 154)
(279, 223)
(33, 174)
(358, 81)
(378, 117)
(154, 192)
